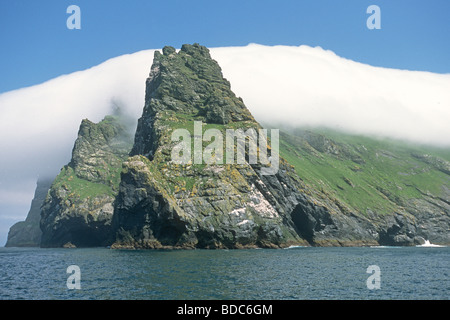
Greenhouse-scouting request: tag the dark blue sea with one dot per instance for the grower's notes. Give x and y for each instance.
(298, 273)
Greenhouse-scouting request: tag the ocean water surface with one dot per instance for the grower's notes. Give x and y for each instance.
(285, 274)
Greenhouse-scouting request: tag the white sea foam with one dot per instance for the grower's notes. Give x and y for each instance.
(295, 247)
(428, 244)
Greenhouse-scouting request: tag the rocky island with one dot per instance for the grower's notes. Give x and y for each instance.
(328, 190)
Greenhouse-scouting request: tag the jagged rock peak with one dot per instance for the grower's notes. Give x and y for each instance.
(100, 147)
(186, 82)
(79, 206)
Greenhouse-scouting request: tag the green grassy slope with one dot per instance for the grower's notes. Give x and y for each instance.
(366, 173)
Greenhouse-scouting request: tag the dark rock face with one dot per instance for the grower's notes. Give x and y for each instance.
(79, 207)
(431, 219)
(226, 208)
(27, 233)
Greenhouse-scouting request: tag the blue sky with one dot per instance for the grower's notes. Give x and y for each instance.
(36, 44)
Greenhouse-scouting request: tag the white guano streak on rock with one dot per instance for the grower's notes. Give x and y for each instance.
(243, 222)
(261, 205)
(238, 212)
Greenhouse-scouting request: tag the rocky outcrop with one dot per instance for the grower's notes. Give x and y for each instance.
(188, 83)
(431, 218)
(163, 204)
(79, 206)
(27, 233)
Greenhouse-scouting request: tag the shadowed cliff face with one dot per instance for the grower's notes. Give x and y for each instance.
(27, 233)
(79, 206)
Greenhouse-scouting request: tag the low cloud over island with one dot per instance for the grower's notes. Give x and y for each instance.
(296, 86)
